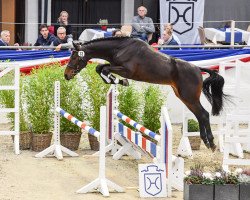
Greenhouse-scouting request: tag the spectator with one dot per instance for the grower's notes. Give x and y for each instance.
(117, 33)
(62, 40)
(142, 26)
(169, 26)
(227, 24)
(63, 22)
(46, 38)
(167, 39)
(5, 38)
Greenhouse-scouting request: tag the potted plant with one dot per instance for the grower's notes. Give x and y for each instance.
(244, 178)
(25, 133)
(198, 185)
(103, 23)
(7, 100)
(95, 97)
(226, 185)
(39, 92)
(195, 141)
(39, 101)
(70, 134)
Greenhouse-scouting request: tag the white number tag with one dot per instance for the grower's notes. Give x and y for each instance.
(81, 54)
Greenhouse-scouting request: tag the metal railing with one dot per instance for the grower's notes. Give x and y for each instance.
(154, 46)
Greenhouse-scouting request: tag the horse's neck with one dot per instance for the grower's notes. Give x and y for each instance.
(103, 51)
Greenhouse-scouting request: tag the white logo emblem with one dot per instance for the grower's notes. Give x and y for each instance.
(181, 14)
(81, 54)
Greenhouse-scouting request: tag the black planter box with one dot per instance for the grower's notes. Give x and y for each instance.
(226, 192)
(198, 192)
(244, 191)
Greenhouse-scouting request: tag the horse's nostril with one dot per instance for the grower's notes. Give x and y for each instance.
(66, 77)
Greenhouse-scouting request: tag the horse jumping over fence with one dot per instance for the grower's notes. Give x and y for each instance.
(134, 59)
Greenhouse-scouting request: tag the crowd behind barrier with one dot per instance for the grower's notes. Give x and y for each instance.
(141, 26)
(241, 36)
(163, 36)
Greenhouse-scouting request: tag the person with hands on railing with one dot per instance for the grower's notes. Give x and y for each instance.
(45, 38)
(62, 40)
(5, 39)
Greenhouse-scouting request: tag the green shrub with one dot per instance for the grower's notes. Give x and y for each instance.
(39, 93)
(154, 100)
(130, 102)
(7, 97)
(193, 126)
(70, 97)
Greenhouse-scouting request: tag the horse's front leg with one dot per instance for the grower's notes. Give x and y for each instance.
(99, 70)
(106, 73)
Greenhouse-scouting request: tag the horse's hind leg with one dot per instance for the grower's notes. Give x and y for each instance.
(191, 100)
(203, 118)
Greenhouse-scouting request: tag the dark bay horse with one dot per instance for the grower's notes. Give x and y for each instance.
(134, 59)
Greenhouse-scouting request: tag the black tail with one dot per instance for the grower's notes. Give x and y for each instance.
(213, 90)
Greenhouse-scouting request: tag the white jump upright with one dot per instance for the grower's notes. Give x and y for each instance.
(135, 143)
(56, 149)
(232, 87)
(237, 138)
(237, 85)
(5, 68)
(101, 183)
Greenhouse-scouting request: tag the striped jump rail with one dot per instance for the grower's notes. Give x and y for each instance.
(139, 140)
(77, 122)
(137, 126)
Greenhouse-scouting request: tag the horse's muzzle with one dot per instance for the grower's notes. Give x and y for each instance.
(68, 73)
(66, 77)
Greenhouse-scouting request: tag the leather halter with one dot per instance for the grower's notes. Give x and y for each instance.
(80, 58)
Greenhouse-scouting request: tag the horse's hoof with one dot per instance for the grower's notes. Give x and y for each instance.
(213, 148)
(207, 145)
(125, 82)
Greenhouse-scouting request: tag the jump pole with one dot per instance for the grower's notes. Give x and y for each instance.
(56, 149)
(162, 153)
(101, 183)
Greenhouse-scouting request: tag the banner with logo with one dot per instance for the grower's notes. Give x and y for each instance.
(186, 16)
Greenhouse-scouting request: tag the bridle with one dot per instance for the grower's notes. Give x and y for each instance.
(80, 56)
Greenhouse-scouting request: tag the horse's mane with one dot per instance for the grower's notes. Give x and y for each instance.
(107, 39)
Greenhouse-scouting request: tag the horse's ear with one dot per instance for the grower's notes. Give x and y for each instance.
(76, 45)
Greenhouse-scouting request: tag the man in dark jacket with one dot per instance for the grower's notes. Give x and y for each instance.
(46, 38)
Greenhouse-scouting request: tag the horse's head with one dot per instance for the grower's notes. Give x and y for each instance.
(77, 61)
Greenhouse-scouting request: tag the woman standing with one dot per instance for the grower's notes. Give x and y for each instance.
(63, 22)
